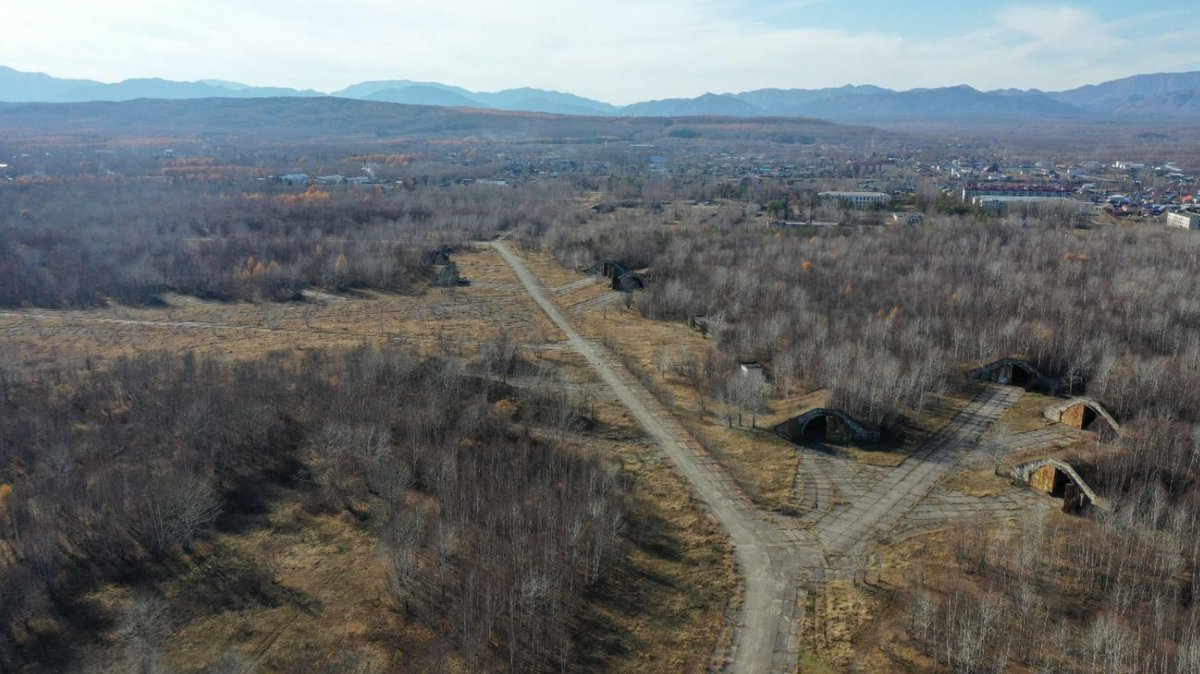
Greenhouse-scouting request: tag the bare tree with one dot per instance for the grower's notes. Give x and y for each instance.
(142, 630)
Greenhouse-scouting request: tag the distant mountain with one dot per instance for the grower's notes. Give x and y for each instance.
(363, 90)
(946, 103)
(1161, 97)
(864, 104)
(541, 100)
(236, 86)
(1175, 105)
(724, 105)
(19, 87)
(22, 87)
(801, 102)
(168, 89)
(524, 99)
(1120, 92)
(1171, 97)
(422, 94)
(248, 121)
(142, 88)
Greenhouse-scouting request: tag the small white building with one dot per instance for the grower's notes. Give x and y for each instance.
(1184, 220)
(294, 179)
(1000, 204)
(858, 199)
(748, 369)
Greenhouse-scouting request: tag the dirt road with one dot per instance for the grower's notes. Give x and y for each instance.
(778, 559)
(764, 581)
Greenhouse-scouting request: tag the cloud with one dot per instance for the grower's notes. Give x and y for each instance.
(1057, 29)
(618, 50)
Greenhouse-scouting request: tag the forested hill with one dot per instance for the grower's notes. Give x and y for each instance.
(327, 117)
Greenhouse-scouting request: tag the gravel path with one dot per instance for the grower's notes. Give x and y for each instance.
(767, 583)
(778, 559)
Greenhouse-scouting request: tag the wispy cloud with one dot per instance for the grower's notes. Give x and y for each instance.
(619, 50)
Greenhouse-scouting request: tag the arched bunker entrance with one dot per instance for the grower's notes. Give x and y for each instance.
(1019, 376)
(1085, 417)
(1085, 414)
(821, 428)
(1015, 372)
(821, 425)
(1058, 479)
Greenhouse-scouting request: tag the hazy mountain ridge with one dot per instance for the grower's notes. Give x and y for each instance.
(1156, 97)
(21, 87)
(422, 94)
(725, 105)
(251, 120)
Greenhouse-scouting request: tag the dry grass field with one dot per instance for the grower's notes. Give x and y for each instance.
(293, 591)
(763, 464)
(834, 616)
(460, 318)
(1025, 415)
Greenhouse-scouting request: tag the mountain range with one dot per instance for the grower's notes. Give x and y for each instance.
(1160, 98)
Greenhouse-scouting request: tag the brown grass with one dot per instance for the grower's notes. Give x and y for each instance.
(332, 598)
(665, 607)
(982, 483)
(328, 604)
(458, 317)
(762, 463)
(833, 617)
(1025, 414)
(547, 269)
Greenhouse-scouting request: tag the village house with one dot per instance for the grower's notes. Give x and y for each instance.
(1184, 220)
(857, 199)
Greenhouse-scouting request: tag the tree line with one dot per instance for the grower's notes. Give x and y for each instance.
(883, 317)
(88, 242)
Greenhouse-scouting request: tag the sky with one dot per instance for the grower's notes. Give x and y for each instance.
(620, 51)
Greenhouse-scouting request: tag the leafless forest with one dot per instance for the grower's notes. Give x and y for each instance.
(884, 317)
(493, 535)
(84, 242)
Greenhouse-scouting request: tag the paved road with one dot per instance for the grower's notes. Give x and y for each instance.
(766, 583)
(890, 499)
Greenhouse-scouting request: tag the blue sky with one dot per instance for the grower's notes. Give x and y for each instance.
(925, 19)
(615, 50)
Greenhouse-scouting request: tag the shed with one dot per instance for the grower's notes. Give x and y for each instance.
(747, 369)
